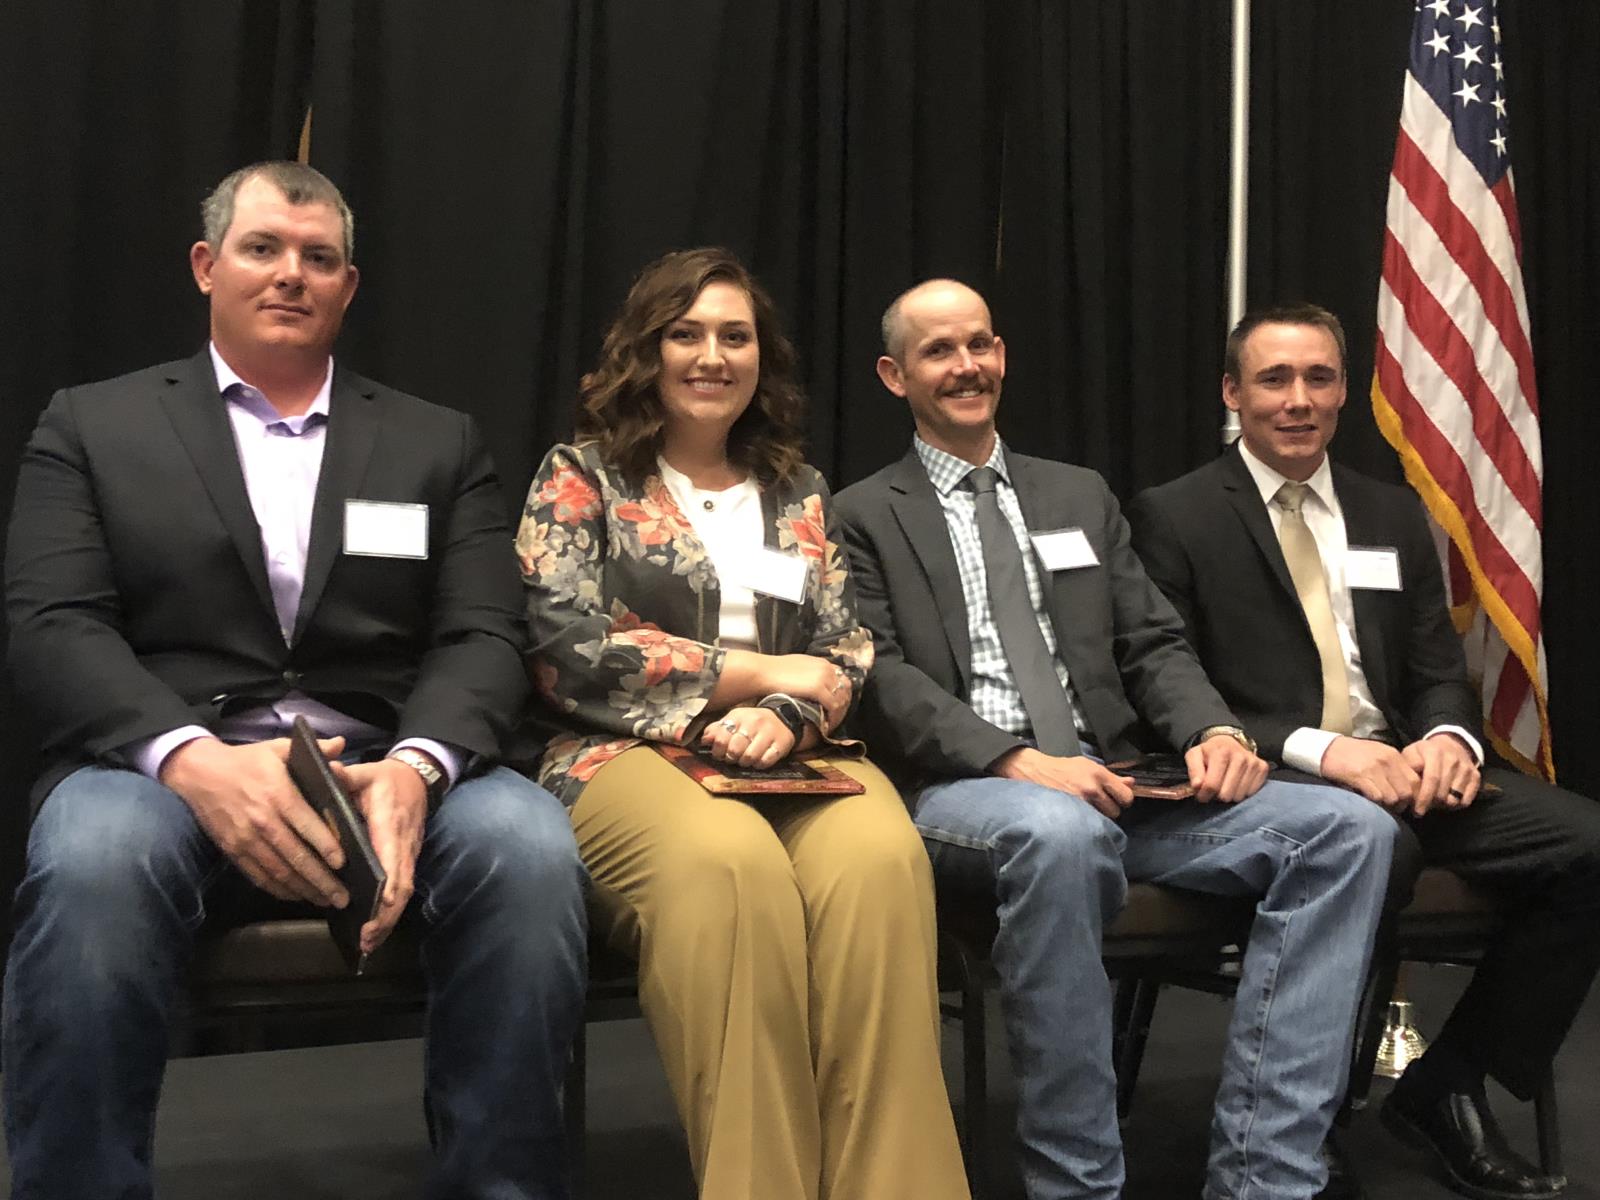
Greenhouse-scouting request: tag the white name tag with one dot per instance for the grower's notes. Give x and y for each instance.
(1064, 550)
(773, 573)
(1375, 568)
(381, 529)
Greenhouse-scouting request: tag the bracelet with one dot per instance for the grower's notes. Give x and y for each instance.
(787, 711)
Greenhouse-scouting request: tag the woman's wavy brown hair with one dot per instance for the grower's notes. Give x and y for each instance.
(619, 407)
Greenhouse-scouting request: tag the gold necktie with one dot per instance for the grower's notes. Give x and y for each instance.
(1311, 585)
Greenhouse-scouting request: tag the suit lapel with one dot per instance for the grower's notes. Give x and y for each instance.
(352, 433)
(1032, 500)
(1245, 499)
(1364, 527)
(916, 508)
(199, 416)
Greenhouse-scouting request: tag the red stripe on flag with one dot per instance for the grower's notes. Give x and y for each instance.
(1440, 337)
(1431, 195)
(1451, 473)
(1507, 200)
(1511, 690)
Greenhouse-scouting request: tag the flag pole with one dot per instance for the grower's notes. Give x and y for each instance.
(1238, 184)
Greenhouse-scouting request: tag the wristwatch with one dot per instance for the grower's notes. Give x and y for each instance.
(422, 764)
(787, 710)
(1233, 731)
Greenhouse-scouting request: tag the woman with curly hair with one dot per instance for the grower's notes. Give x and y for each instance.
(685, 586)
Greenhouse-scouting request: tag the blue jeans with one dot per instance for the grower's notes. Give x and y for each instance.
(1317, 858)
(115, 888)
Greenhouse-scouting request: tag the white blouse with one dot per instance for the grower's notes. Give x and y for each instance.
(729, 523)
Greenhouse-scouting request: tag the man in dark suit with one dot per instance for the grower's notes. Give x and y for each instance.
(200, 552)
(1019, 647)
(1315, 600)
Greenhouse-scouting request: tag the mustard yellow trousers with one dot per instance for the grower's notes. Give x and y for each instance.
(786, 969)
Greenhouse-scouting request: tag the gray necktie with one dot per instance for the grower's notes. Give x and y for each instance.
(1311, 585)
(1049, 710)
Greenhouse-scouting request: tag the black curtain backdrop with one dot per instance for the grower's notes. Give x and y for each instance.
(513, 162)
(1113, 234)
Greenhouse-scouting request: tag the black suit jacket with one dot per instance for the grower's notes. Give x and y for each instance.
(1121, 641)
(1207, 541)
(137, 589)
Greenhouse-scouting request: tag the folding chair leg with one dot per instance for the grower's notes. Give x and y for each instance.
(1547, 1120)
(1141, 1011)
(1121, 1015)
(574, 1107)
(974, 1071)
(1369, 1033)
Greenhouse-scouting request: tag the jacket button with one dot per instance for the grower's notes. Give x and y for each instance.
(292, 677)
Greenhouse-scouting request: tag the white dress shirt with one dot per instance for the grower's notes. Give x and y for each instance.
(1303, 749)
(729, 524)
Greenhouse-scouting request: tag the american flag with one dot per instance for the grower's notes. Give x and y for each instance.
(1453, 387)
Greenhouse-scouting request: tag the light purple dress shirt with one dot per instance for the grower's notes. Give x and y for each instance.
(281, 458)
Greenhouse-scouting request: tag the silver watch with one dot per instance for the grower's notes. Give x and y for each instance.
(432, 776)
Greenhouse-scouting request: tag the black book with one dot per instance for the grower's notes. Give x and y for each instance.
(1157, 776)
(362, 875)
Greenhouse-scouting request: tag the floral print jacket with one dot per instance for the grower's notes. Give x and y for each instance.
(623, 606)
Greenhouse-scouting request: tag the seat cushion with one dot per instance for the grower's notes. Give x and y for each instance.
(1439, 892)
(291, 952)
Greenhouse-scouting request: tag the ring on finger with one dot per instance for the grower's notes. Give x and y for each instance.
(729, 724)
(1457, 793)
(737, 732)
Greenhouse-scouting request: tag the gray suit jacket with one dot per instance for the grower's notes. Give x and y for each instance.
(1122, 643)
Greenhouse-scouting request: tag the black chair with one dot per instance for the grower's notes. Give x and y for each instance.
(265, 978)
(1163, 935)
(1448, 921)
(1166, 936)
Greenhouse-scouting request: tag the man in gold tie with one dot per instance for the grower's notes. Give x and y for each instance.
(1315, 600)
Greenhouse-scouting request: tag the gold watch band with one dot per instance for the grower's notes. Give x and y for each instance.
(1233, 731)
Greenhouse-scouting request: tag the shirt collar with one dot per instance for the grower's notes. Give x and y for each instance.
(1268, 480)
(947, 472)
(236, 391)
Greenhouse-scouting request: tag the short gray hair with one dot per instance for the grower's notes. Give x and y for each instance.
(299, 183)
(893, 328)
(893, 334)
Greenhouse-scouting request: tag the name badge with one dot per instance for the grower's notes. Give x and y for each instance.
(1064, 550)
(380, 529)
(1374, 568)
(773, 573)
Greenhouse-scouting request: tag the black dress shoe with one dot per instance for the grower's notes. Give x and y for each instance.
(1467, 1144)
(1342, 1182)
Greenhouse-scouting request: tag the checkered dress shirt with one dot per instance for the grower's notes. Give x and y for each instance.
(994, 695)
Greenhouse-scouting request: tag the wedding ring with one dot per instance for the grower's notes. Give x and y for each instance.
(738, 733)
(1457, 793)
(729, 724)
